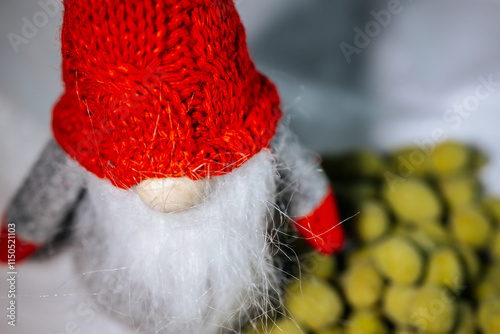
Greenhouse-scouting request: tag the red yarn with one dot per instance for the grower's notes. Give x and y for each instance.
(160, 89)
(12, 248)
(321, 227)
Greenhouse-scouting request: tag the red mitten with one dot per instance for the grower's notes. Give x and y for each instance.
(321, 227)
(13, 248)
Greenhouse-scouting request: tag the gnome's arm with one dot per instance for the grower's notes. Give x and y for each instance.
(306, 196)
(44, 202)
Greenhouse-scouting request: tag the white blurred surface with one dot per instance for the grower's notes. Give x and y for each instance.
(395, 92)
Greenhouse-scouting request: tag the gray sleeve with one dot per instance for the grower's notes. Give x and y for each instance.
(47, 196)
(302, 184)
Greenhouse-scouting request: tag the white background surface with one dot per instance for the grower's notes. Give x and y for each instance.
(395, 92)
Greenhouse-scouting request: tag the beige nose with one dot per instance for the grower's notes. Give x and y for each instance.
(172, 194)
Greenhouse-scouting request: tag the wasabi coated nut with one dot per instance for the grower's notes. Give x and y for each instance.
(449, 159)
(314, 303)
(459, 191)
(445, 267)
(433, 309)
(372, 221)
(362, 285)
(412, 200)
(471, 226)
(491, 206)
(485, 289)
(488, 287)
(397, 301)
(489, 316)
(399, 259)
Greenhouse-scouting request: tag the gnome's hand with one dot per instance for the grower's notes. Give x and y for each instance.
(41, 207)
(306, 196)
(321, 227)
(13, 248)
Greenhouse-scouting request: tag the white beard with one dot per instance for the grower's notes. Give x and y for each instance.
(200, 270)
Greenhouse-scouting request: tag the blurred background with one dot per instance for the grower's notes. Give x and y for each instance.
(352, 74)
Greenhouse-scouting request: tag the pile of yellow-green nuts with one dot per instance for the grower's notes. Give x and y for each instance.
(422, 253)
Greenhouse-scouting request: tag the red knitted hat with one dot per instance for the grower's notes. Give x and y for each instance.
(160, 88)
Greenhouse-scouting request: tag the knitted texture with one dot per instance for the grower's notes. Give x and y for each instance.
(161, 88)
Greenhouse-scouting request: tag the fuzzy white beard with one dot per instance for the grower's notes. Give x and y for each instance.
(200, 270)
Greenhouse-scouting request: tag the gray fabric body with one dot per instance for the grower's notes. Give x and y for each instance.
(47, 196)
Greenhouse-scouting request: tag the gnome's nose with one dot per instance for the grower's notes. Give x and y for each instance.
(172, 194)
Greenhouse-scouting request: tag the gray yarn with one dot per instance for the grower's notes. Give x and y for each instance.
(47, 196)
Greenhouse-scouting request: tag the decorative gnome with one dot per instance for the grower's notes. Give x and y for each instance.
(168, 162)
